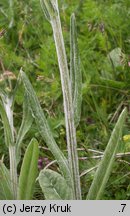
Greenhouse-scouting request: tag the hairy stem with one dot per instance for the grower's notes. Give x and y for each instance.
(13, 170)
(12, 150)
(67, 95)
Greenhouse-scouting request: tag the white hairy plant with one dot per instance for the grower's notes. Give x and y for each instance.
(52, 14)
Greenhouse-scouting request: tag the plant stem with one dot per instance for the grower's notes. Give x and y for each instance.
(12, 150)
(67, 97)
(13, 170)
(11, 4)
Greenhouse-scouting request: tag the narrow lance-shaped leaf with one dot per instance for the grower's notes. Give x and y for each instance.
(105, 167)
(54, 186)
(49, 9)
(5, 183)
(7, 128)
(7, 117)
(43, 6)
(28, 173)
(11, 13)
(112, 83)
(75, 71)
(44, 128)
(25, 126)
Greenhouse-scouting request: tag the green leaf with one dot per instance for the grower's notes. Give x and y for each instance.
(5, 183)
(25, 126)
(28, 171)
(44, 128)
(7, 128)
(112, 83)
(54, 186)
(115, 57)
(75, 71)
(43, 6)
(104, 169)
